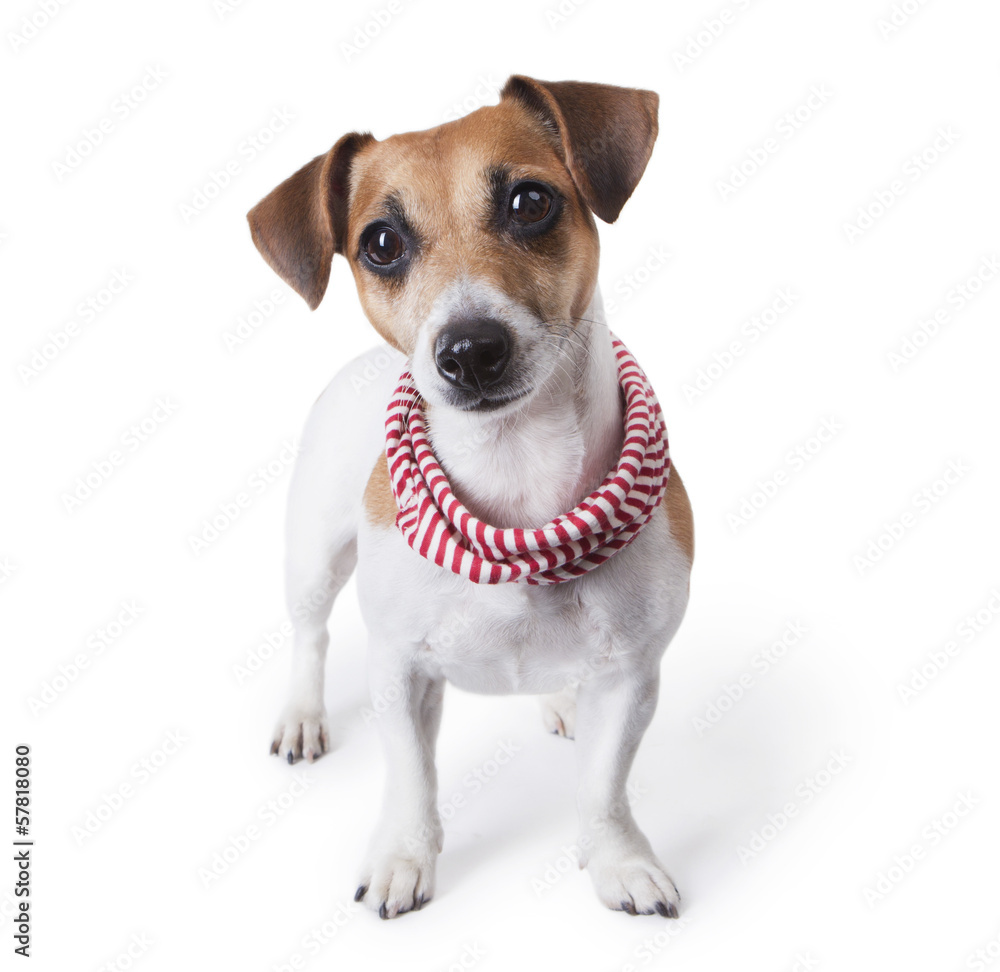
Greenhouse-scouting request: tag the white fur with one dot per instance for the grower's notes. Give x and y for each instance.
(603, 633)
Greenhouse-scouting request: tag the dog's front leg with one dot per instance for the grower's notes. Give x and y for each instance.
(613, 709)
(398, 873)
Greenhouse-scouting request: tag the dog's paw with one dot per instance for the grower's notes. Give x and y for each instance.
(559, 712)
(301, 733)
(635, 884)
(398, 883)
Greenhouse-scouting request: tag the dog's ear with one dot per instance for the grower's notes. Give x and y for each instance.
(606, 132)
(301, 224)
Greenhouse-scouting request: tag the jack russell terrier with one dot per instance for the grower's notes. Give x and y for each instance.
(504, 488)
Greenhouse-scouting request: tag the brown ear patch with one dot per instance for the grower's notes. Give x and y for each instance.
(300, 225)
(678, 513)
(607, 134)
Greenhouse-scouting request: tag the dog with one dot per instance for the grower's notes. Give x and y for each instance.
(474, 249)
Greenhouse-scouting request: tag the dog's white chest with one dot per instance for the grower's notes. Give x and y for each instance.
(515, 638)
(494, 639)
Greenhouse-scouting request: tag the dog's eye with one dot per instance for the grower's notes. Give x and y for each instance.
(530, 202)
(384, 246)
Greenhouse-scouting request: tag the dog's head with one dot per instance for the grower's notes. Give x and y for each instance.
(472, 244)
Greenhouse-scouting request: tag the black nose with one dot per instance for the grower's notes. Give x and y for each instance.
(472, 354)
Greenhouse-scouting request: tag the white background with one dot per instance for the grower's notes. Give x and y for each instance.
(809, 896)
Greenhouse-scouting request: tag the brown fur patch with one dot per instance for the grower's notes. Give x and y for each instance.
(440, 180)
(678, 509)
(379, 502)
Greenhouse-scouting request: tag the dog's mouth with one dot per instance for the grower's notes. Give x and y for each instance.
(492, 403)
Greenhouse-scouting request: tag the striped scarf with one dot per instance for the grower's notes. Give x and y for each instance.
(437, 525)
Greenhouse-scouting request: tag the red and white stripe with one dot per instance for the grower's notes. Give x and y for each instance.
(437, 525)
